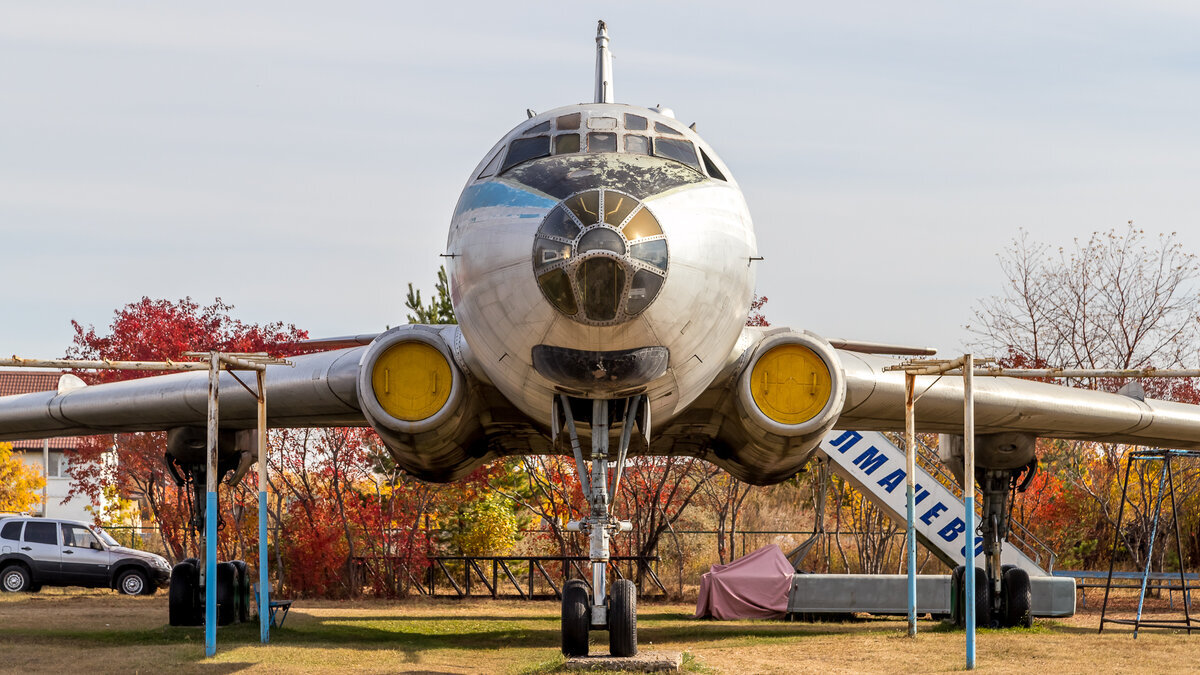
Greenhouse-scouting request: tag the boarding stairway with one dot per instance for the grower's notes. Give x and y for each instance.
(874, 464)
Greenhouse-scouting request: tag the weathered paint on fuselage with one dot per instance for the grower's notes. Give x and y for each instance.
(698, 314)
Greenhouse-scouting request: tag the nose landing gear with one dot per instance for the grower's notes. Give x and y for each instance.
(615, 609)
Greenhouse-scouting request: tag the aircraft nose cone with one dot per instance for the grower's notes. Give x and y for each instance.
(600, 257)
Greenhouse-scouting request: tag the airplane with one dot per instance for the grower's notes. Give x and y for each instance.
(602, 265)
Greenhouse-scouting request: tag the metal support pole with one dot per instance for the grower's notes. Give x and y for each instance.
(46, 475)
(910, 463)
(1162, 477)
(598, 521)
(210, 512)
(969, 502)
(264, 593)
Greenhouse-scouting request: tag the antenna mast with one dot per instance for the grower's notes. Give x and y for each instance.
(604, 83)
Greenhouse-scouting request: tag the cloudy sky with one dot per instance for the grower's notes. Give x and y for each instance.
(301, 160)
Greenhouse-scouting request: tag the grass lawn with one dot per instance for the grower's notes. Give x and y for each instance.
(83, 632)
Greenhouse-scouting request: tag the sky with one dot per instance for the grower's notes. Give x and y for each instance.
(301, 160)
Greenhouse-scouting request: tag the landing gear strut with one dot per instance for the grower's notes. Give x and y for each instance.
(1002, 596)
(615, 609)
(185, 461)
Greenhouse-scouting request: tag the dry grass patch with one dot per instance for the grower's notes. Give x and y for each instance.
(59, 630)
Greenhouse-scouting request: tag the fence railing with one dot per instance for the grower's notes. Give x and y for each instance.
(504, 572)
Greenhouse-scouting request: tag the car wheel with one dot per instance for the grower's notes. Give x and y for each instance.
(16, 579)
(132, 582)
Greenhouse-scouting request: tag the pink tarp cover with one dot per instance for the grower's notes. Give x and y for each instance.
(752, 587)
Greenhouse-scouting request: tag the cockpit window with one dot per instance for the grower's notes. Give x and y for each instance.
(638, 145)
(539, 129)
(678, 150)
(602, 142)
(565, 144)
(635, 122)
(566, 122)
(711, 166)
(525, 149)
(492, 165)
(602, 123)
(666, 129)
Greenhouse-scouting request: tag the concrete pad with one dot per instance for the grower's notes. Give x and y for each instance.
(644, 662)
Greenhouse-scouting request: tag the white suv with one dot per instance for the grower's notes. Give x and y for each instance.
(36, 552)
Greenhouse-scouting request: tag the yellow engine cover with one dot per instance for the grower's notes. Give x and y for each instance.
(790, 384)
(411, 381)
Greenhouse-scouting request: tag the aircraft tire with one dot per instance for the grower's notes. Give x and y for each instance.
(576, 618)
(622, 618)
(983, 603)
(226, 595)
(958, 615)
(182, 605)
(242, 591)
(1018, 601)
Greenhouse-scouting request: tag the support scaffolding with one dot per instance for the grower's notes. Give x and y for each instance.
(1166, 482)
(214, 363)
(969, 368)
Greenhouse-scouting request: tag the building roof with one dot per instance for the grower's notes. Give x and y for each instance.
(14, 382)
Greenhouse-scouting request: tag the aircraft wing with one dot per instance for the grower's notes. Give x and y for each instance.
(729, 426)
(476, 422)
(875, 400)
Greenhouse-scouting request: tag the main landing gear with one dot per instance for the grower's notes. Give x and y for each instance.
(1002, 592)
(606, 608)
(185, 459)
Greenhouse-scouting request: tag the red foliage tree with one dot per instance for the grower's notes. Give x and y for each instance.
(757, 318)
(153, 330)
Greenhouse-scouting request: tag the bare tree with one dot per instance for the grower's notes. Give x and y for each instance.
(1114, 301)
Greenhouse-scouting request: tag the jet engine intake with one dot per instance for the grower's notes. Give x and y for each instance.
(789, 394)
(792, 387)
(421, 403)
(408, 381)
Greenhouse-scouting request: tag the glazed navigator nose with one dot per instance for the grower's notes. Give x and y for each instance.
(600, 257)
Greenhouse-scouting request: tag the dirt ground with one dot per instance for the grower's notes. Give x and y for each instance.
(82, 631)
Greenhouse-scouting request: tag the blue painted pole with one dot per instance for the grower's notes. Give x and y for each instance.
(969, 581)
(210, 575)
(264, 591)
(910, 452)
(264, 602)
(210, 511)
(968, 370)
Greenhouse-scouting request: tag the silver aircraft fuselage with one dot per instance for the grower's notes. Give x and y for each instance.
(510, 267)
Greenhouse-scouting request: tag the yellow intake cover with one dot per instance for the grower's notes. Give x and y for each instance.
(411, 381)
(790, 384)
